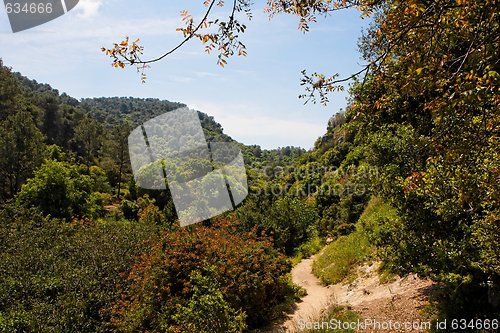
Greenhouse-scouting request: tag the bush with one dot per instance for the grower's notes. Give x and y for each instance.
(312, 246)
(58, 189)
(341, 201)
(97, 202)
(249, 273)
(290, 221)
(207, 311)
(130, 209)
(63, 277)
(99, 180)
(150, 214)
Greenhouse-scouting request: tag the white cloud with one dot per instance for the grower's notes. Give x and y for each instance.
(88, 8)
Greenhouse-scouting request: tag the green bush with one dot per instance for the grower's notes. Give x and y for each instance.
(342, 199)
(207, 311)
(63, 277)
(151, 214)
(99, 180)
(312, 246)
(130, 209)
(97, 202)
(290, 221)
(58, 189)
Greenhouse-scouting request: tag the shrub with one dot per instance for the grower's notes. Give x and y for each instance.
(97, 202)
(289, 220)
(63, 277)
(341, 211)
(150, 214)
(132, 189)
(130, 209)
(312, 246)
(103, 198)
(99, 180)
(207, 311)
(249, 273)
(58, 189)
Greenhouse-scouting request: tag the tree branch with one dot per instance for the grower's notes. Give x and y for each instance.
(191, 35)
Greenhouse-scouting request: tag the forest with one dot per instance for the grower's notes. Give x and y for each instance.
(408, 176)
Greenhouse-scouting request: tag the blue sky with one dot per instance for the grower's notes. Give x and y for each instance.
(254, 97)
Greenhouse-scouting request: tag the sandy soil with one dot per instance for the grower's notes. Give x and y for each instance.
(318, 297)
(401, 300)
(311, 306)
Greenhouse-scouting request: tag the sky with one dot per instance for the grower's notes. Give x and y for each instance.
(254, 98)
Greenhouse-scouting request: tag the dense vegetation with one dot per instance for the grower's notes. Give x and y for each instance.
(201, 280)
(58, 276)
(77, 234)
(408, 174)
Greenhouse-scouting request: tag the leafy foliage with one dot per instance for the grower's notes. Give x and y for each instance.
(20, 151)
(244, 269)
(207, 311)
(290, 221)
(429, 124)
(59, 277)
(58, 189)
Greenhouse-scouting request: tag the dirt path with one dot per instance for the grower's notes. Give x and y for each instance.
(399, 300)
(312, 305)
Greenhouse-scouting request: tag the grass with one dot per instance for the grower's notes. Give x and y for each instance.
(311, 247)
(376, 214)
(340, 259)
(331, 322)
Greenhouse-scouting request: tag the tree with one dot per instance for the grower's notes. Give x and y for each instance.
(9, 90)
(21, 149)
(426, 115)
(88, 133)
(116, 153)
(51, 120)
(57, 189)
(428, 119)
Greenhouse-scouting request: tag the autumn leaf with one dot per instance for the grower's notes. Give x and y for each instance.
(125, 42)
